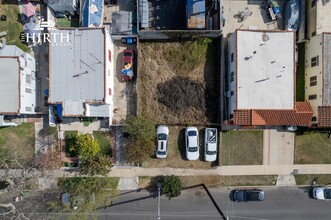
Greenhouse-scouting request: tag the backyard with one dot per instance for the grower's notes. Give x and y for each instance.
(12, 25)
(19, 140)
(176, 152)
(242, 148)
(65, 22)
(312, 148)
(178, 83)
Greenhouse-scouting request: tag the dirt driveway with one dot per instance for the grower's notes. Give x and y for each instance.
(178, 81)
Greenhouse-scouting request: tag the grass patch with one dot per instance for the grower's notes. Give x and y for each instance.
(65, 22)
(176, 152)
(242, 148)
(104, 140)
(307, 179)
(300, 75)
(67, 133)
(219, 181)
(12, 25)
(20, 139)
(312, 148)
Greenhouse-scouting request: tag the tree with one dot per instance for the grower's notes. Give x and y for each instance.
(97, 165)
(82, 145)
(141, 132)
(171, 186)
(50, 160)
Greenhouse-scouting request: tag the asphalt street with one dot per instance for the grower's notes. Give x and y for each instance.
(280, 203)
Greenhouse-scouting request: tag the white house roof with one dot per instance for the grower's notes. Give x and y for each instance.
(77, 70)
(9, 84)
(265, 69)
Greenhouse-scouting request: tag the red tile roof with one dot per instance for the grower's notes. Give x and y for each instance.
(301, 115)
(324, 116)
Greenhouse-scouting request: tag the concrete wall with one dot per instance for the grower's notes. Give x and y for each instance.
(232, 63)
(109, 71)
(313, 49)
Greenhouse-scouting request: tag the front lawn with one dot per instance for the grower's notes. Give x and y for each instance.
(19, 140)
(307, 179)
(12, 25)
(104, 140)
(242, 148)
(312, 148)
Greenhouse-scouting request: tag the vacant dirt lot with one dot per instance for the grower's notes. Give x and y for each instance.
(178, 82)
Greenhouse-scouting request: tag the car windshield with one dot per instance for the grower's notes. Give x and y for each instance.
(327, 193)
(192, 133)
(162, 137)
(128, 54)
(210, 152)
(193, 149)
(161, 153)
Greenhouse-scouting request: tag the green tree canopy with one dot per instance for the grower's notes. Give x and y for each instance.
(82, 145)
(171, 186)
(97, 165)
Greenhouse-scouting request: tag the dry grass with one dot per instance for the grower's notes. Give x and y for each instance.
(176, 152)
(178, 83)
(307, 179)
(312, 148)
(20, 139)
(242, 148)
(219, 181)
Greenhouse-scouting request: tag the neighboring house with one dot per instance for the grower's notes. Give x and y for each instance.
(121, 23)
(81, 74)
(318, 78)
(63, 5)
(91, 13)
(261, 80)
(17, 81)
(173, 18)
(318, 14)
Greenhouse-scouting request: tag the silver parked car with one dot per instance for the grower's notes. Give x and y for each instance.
(210, 144)
(162, 135)
(192, 143)
(322, 193)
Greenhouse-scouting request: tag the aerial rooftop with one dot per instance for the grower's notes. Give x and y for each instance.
(265, 69)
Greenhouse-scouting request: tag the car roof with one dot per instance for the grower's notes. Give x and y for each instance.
(192, 141)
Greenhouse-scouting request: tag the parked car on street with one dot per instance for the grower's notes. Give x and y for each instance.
(162, 135)
(248, 195)
(210, 144)
(192, 143)
(127, 70)
(322, 193)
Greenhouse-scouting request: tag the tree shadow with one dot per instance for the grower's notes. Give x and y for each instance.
(181, 144)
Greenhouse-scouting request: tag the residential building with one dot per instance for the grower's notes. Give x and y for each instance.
(121, 23)
(261, 80)
(17, 80)
(318, 78)
(91, 13)
(81, 76)
(317, 17)
(173, 18)
(63, 5)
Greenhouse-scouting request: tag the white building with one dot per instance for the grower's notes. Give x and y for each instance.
(318, 17)
(261, 79)
(81, 74)
(17, 81)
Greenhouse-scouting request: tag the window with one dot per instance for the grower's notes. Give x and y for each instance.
(313, 81)
(313, 3)
(314, 118)
(232, 57)
(313, 34)
(312, 97)
(27, 90)
(314, 61)
(232, 93)
(109, 55)
(28, 109)
(28, 79)
(232, 77)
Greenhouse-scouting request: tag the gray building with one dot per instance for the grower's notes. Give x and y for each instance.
(63, 5)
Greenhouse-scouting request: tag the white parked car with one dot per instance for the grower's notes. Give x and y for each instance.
(51, 116)
(210, 144)
(162, 135)
(322, 193)
(192, 143)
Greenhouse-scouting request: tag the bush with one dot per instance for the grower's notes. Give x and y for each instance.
(81, 145)
(97, 165)
(171, 186)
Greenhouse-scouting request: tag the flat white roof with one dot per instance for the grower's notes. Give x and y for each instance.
(265, 69)
(9, 84)
(323, 23)
(77, 69)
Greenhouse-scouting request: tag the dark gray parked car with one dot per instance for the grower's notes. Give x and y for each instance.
(248, 195)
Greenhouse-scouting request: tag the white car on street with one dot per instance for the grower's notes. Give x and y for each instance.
(192, 143)
(162, 135)
(322, 193)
